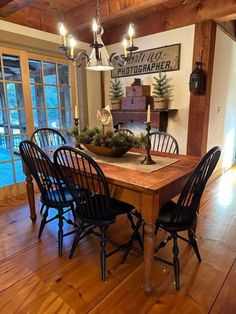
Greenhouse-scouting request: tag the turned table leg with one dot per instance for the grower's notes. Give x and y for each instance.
(30, 194)
(149, 248)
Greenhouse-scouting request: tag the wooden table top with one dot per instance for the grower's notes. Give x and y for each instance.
(155, 180)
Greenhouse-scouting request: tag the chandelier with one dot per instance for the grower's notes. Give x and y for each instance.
(99, 59)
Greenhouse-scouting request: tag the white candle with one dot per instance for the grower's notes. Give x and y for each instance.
(76, 112)
(63, 33)
(72, 46)
(131, 34)
(149, 114)
(95, 29)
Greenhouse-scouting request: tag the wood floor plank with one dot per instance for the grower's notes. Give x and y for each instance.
(33, 279)
(226, 300)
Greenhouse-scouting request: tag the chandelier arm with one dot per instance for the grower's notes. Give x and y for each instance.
(85, 55)
(120, 59)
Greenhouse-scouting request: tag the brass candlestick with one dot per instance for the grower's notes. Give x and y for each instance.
(148, 159)
(77, 125)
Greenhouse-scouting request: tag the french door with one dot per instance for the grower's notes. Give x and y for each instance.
(35, 91)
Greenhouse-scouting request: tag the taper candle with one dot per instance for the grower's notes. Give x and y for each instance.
(149, 113)
(76, 112)
(63, 33)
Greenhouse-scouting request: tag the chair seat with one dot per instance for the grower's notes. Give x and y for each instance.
(165, 215)
(97, 217)
(56, 195)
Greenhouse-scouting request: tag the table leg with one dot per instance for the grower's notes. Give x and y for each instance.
(30, 194)
(149, 249)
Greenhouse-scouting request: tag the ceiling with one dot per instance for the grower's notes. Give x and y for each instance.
(149, 16)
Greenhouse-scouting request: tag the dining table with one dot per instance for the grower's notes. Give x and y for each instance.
(146, 187)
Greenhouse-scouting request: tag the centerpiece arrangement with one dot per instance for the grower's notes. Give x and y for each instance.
(112, 144)
(104, 140)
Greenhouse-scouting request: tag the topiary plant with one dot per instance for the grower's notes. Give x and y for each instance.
(116, 93)
(162, 91)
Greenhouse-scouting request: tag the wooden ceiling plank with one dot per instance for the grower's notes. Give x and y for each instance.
(13, 6)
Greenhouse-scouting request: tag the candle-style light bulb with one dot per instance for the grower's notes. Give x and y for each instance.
(95, 29)
(72, 46)
(131, 34)
(125, 45)
(63, 33)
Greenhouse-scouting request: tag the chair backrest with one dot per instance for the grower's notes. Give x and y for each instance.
(164, 142)
(126, 131)
(191, 194)
(86, 182)
(47, 137)
(43, 171)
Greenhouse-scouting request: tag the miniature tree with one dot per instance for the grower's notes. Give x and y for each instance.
(116, 91)
(161, 91)
(162, 88)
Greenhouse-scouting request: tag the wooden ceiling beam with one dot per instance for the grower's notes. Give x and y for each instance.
(80, 18)
(191, 12)
(35, 18)
(13, 6)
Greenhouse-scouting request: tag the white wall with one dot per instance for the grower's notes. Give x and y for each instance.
(222, 123)
(178, 125)
(11, 33)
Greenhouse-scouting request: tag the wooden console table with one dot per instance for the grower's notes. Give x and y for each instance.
(159, 117)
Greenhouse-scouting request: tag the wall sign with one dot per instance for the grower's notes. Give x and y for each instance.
(165, 59)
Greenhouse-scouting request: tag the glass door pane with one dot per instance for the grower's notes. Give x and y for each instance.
(51, 95)
(13, 126)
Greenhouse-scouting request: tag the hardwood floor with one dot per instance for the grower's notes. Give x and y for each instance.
(33, 279)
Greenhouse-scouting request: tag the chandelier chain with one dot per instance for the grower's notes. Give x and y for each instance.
(98, 11)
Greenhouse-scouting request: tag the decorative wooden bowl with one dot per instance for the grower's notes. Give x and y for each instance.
(105, 151)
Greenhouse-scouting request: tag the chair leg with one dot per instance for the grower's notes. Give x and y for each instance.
(41, 209)
(192, 239)
(43, 222)
(176, 261)
(103, 253)
(76, 240)
(60, 232)
(136, 226)
(134, 237)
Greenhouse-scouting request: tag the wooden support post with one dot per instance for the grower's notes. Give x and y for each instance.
(199, 107)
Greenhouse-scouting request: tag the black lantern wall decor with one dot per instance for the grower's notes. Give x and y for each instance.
(197, 81)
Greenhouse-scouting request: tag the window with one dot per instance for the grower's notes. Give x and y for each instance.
(51, 95)
(35, 92)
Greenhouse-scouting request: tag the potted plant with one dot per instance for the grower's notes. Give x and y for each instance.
(161, 91)
(116, 93)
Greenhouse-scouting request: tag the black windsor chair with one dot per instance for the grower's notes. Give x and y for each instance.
(95, 206)
(54, 193)
(163, 142)
(182, 216)
(44, 137)
(47, 137)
